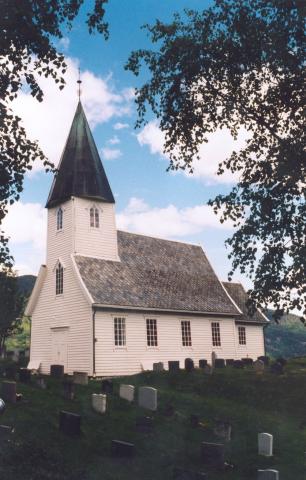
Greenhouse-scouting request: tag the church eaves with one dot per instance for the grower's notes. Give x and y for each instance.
(80, 172)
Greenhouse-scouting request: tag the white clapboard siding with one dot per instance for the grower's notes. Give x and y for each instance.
(95, 242)
(254, 342)
(71, 310)
(112, 360)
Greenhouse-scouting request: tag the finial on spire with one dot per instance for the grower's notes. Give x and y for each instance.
(79, 81)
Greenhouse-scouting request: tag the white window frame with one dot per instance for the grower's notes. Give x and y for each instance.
(186, 333)
(243, 337)
(216, 334)
(94, 217)
(151, 335)
(59, 279)
(122, 333)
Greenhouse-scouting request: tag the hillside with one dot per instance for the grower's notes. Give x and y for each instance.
(250, 403)
(26, 284)
(288, 338)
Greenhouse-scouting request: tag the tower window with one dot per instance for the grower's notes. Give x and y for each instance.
(59, 219)
(59, 279)
(94, 217)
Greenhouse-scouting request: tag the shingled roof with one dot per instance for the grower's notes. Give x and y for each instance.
(80, 172)
(156, 274)
(240, 296)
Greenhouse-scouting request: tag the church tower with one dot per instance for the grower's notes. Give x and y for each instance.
(81, 206)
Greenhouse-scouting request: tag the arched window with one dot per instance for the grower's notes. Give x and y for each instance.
(94, 217)
(59, 279)
(59, 219)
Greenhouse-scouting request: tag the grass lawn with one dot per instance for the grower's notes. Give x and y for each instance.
(251, 403)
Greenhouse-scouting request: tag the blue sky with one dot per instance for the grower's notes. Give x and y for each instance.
(149, 200)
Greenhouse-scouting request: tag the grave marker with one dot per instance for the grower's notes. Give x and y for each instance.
(259, 366)
(202, 363)
(9, 391)
(147, 398)
(69, 423)
(127, 392)
(223, 430)
(265, 444)
(219, 363)
(174, 366)
(158, 367)
(80, 378)
(107, 386)
(267, 475)
(122, 449)
(144, 424)
(214, 356)
(230, 362)
(212, 454)
(189, 365)
(98, 401)
(57, 371)
(69, 389)
(25, 375)
(248, 362)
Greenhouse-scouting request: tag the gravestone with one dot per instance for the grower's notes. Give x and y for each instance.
(68, 390)
(282, 361)
(238, 364)
(107, 386)
(9, 392)
(80, 378)
(277, 368)
(194, 420)
(2, 406)
(247, 362)
(25, 375)
(265, 444)
(144, 424)
(98, 401)
(223, 430)
(122, 449)
(174, 366)
(158, 367)
(184, 474)
(127, 392)
(230, 362)
(265, 359)
(69, 423)
(147, 398)
(189, 365)
(10, 371)
(214, 356)
(208, 369)
(259, 366)
(212, 454)
(219, 363)
(40, 382)
(57, 371)
(202, 363)
(267, 474)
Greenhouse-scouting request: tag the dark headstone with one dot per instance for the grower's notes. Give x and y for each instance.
(212, 454)
(264, 359)
(168, 410)
(144, 424)
(158, 367)
(11, 371)
(40, 382)
(69, 423)
(122, 449)
(282, 361)
(194, 420)
(202, 363)
(68, 390)
(183, 474)
(247, 362)
(189, 364)
(223, 430)
(9, 392)
(230, 362)
(107, 386)
(219, 363)
(57, 371)
(174, 366)
(238, 364)
(25, 375)
(2, 406)
(277, 368)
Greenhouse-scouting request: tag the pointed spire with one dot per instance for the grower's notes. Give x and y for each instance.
(80, 172)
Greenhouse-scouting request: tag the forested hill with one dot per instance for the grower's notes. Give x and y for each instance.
(26, 284)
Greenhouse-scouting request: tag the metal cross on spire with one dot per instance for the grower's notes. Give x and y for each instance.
(79, 81)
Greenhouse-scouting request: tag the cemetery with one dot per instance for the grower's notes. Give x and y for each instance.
(230, 423)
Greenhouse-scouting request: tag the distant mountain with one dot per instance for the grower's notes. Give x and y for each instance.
(287, 338)
(26, 284)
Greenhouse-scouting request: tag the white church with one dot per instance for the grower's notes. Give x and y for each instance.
(109, 302)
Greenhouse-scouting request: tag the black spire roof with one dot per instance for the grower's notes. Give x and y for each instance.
(80, 172)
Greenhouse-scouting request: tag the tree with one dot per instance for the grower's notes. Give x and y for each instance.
(27, 51)
(12, 303)
(239, 64)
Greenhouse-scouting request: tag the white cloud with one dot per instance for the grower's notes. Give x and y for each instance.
(120, 126)
(64, 43)
(114, 140)
(110, 153)
(50, 120)
(167, 221)
(219, 147)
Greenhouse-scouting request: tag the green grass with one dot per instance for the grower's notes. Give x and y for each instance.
(251, 403)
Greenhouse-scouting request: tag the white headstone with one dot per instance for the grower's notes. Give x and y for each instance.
(99, 402)
(213, 359)
(267, 475)
(34, 365)
(147, 398)
(127, 392)
(265, 444)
